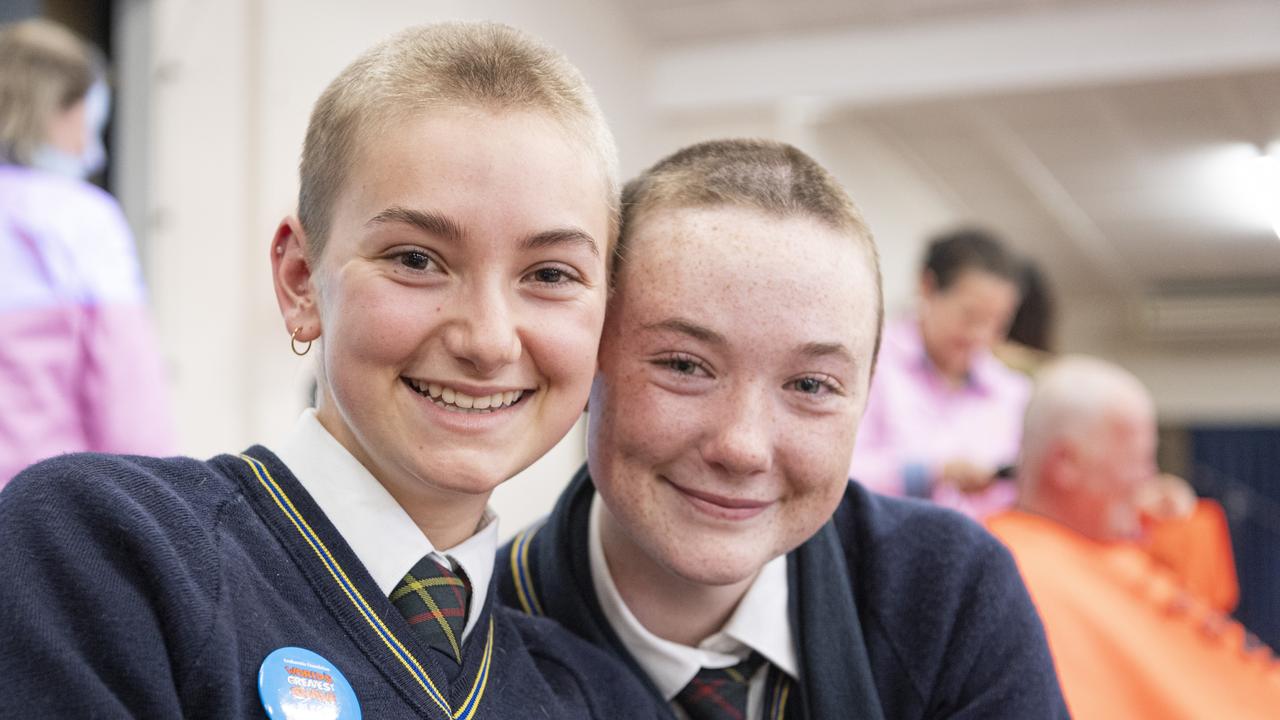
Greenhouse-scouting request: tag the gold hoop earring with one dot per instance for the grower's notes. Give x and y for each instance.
(293, 343)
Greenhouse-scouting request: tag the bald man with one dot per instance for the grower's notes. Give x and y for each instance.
(1130, 640)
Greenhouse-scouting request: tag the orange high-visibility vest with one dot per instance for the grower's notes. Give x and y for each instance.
(1197, 549)
(1129, 640)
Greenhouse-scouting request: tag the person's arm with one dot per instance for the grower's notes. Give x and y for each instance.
(100, 604)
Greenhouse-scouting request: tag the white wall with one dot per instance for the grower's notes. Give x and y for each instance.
(226, 89)
(214, 105)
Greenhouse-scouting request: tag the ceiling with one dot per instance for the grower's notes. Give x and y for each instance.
(1113, 140)
(685, 21)
(1143, 186)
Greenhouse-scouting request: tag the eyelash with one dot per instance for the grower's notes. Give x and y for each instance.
(824, 381)
(691, 364)
(672, 362)
(402, 257)
(566, 275)
(426, 261)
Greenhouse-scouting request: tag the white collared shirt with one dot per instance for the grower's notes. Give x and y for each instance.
(379, 531)
(759, 623)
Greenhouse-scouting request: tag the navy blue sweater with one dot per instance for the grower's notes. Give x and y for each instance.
(899, 609)
(136, 587)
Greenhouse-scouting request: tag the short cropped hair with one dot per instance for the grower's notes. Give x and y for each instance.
(1072, 399)
(44, 70)
(949, 255)
(461, 64)
(766, 175)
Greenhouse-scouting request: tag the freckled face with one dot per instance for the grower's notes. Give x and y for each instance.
(733, 375)
(461, 298)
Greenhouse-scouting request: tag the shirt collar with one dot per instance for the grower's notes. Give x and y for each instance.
(379, 531)
(754, 625)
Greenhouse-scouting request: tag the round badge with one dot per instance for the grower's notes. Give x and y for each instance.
(295, 683)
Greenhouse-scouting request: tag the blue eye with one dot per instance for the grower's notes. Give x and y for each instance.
(683, 365)
(815, 385)
(810, 385)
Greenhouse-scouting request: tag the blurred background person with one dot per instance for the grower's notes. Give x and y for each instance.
(944, 414)
(1125, 162)
(1130, 638)
(79, 367)
(1030, 340)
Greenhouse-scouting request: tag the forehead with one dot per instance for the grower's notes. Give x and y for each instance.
(497, 165)
(977, 283)
(734, 264)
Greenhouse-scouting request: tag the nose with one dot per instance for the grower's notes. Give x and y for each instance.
(484, 337)
(741, 441)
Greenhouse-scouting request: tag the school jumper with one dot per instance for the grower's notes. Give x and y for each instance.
(142, 587)
(898, 609)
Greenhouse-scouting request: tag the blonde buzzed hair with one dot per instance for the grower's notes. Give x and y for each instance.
(773, 177)
(44, 70)
(460, 64)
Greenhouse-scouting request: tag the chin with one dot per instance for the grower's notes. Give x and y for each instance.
(467, 481)
(712, 565)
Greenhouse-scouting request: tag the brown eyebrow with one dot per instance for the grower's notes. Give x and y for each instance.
(819, 349)
(443, 226)
(561, 236)
(707, 335)
(427, 221)
(684, 327)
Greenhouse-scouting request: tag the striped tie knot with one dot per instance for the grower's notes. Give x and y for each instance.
(433, 598)
(720, 693)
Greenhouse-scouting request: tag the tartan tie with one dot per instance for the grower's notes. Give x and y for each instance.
(720, 693)
(433, 598)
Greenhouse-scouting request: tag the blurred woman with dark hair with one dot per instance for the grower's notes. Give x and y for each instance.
(944, 414)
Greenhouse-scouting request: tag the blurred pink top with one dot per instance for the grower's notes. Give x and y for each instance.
(79, 366)
(915, 424)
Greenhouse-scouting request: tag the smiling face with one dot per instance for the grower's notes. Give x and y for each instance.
(459, 300)
(733, 374)
(970, 315)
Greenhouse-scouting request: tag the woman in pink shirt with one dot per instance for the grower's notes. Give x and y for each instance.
(79, 368)
(944, 414)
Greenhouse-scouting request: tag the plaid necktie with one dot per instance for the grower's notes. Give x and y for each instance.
(433, 598)
(720, 693)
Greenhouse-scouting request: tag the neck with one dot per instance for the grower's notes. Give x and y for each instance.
(670, 606)
(953, 376)
(447, 519)
(1099, 524)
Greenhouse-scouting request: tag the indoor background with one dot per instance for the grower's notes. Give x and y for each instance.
(1122, 144)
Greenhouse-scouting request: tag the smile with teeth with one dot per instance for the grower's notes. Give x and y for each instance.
(453, 400)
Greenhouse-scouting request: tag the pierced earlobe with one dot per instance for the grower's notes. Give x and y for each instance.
(293, 343)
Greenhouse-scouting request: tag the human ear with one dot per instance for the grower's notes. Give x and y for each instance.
(293, 276)
(1066, 459)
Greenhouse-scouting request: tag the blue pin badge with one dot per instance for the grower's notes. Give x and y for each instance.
(295, 683)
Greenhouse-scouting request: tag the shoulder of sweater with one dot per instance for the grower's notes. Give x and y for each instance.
(935, 591)
(174, 496)
(905, 548)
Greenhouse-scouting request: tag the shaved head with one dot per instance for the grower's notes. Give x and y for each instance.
(1088, 444)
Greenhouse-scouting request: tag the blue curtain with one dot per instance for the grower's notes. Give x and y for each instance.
(1240, 467)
